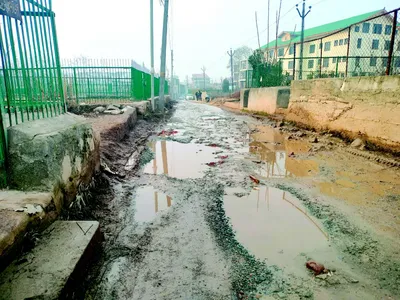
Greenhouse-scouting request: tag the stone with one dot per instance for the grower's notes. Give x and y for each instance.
(54, 154)
(112, 107)
(357, 143)
(51, 268)
(113, 112)
(99, 109)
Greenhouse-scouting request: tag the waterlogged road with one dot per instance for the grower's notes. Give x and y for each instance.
(192, 224)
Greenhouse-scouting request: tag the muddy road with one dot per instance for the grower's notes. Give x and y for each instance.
(225, 206)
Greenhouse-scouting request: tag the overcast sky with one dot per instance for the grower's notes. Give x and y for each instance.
(200, 33)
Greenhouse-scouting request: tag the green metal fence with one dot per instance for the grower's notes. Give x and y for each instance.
(30, 76)
(96, 81)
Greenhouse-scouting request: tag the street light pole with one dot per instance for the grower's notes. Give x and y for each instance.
(231, 53)
(302, 15)
(152, 52)
(163, 56)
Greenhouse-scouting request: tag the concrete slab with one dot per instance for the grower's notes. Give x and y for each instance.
(50, 270)
(20, 212)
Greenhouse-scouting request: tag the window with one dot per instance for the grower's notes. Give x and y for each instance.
(398, 46)
(359, 41)
(365, 28)
(336, 43)
(281, 51)
(320, 45)
(384, 61)
(358, 61)
(357, 28)
(372, 61)
(377, 29)
(312, 49)
(290, 65)
(271, 53)
(311, 64)
(340, 42)
(327, 46)
(291, 50)
(344, 59)
(388, 29)
(346, 41)
(325, 63)
(397, 63)
(387, 45)
(375, 44)
(334, 60)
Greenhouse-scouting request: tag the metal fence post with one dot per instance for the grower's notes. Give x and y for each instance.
(348, 51)
(294, 61)
(76, 86)
(320, 59)
(389, 63)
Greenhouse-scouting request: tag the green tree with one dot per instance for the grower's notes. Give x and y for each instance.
(225, 85)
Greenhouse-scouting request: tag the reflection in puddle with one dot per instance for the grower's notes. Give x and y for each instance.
(271, 147)
(148, 202)
(274, 225)
(180, 160)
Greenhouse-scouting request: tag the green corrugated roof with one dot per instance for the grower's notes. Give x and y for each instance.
(326, 28)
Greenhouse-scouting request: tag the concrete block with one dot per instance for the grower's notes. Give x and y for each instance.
(20, 212)
(268, 99)
(55, 265)
(54, 153)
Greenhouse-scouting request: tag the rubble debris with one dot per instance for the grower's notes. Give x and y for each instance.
(31, 209)
(113, 112)
(292, 154)
(168, 132)
(213, 145)
(358, 144)
(112, 107)
(223, 157)
(99, 109)
(316, 267)
(254, 179)
(214, 164)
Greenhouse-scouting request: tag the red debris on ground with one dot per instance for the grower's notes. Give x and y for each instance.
(214, 164)
(291, 154)
(168, 132)
(223, 157)
(254, 179)
(315, 267)
(213, 145)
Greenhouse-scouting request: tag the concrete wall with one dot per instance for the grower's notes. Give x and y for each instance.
(56, 154)
(368, 106)
(267, 100)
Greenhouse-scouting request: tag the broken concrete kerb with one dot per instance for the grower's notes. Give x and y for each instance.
(55, 154)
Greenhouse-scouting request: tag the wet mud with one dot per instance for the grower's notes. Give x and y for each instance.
(224, 206)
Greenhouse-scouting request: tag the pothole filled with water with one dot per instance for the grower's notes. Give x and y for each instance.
(273, 224)
(278, 156)
(180, 160)
(149, 202)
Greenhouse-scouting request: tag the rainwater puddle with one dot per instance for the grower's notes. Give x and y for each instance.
(271, 147)
(272, 224)
(149, 202)
(180, 160)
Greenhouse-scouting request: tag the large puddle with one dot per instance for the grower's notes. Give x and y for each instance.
(272, 224)
(180, 160)
(149, 202)
(279, 154)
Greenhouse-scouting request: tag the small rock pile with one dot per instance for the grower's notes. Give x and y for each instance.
(111, 109)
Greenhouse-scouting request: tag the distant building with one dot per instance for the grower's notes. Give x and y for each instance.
(326, 47)
(201, 81)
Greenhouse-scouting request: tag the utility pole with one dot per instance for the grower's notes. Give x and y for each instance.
(172, 75)
(204, 77)
(163, 56)
(152, 52)
(231, 53)
(302, 15)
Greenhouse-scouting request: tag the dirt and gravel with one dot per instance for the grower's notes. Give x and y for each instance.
(227, 206)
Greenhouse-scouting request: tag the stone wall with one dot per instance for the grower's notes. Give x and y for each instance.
(367, 107)
(267, 100)
(56, 154)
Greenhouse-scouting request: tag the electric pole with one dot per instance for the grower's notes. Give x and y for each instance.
(302, 15)
(163, 56)
(172, 75)
(231, 53)
(204, 77)
(153, 105)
